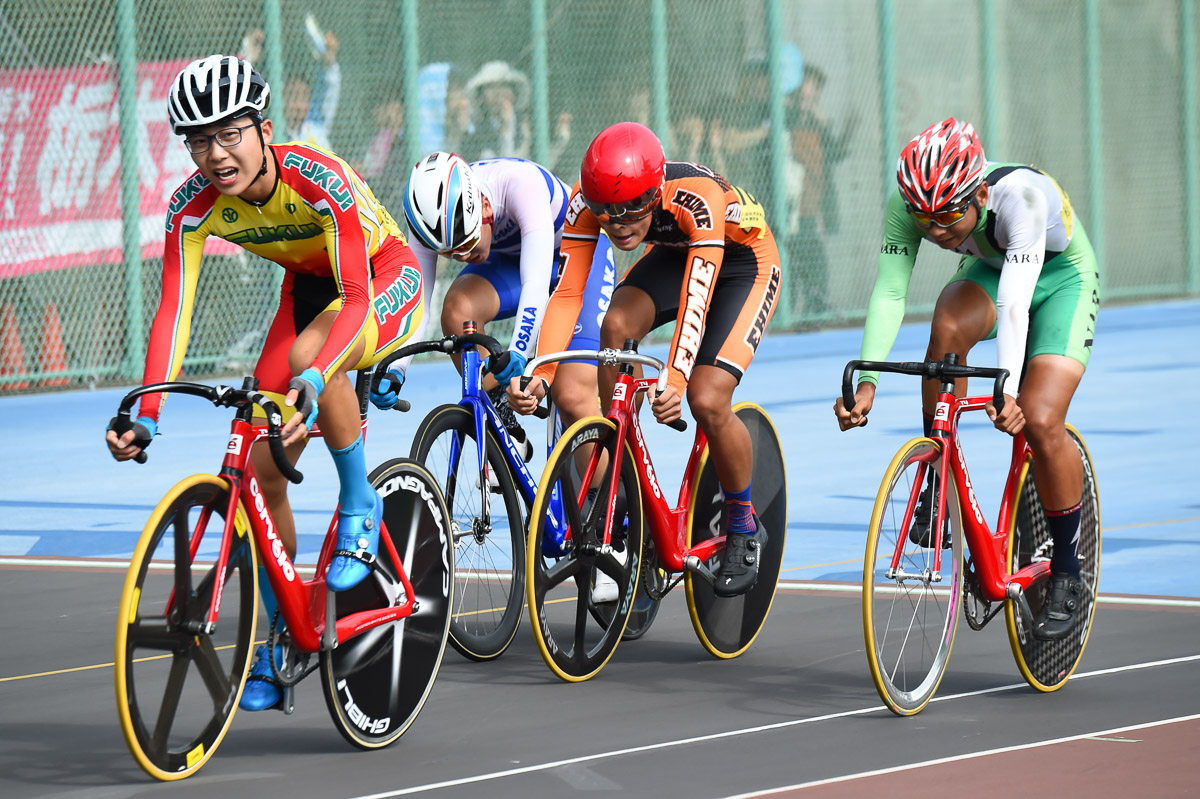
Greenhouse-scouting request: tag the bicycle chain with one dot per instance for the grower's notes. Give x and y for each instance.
(977, 610)
(296, 666)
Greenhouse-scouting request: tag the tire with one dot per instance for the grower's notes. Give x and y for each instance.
(177, 688)
(909, 622)
(489, 536)
(574, 641)
(376, 683)
(1046, 665)
(727, 626)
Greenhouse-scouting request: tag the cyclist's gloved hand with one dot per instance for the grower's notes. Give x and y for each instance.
(507, 368)
(386, 392)
(309, 384)
(144, 430)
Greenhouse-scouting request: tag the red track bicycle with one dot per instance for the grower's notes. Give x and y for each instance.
(575, 635)
(911, 592)
(186, 624)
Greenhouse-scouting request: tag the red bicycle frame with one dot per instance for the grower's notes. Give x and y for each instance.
(669, 525)
(304, 604)
(990, 549)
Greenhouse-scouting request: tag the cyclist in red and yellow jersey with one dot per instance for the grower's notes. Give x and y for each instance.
(352, 293)
(711, 266)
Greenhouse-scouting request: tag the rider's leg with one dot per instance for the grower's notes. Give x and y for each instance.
(1046, 391)
(630, 316)
(360, 507)
(964, 315)
(470, 298)
(710, 397)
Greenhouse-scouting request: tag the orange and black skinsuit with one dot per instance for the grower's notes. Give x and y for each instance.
(340, 247)
(711, 264)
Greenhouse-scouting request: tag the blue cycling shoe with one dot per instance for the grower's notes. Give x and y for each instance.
(262, 691)
(357, 542)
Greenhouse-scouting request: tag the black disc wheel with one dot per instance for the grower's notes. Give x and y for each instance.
(377, 681)
(1046, 665)
(726, 626)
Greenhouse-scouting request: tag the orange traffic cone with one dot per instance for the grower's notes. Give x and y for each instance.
(12, 357)
(54, 355)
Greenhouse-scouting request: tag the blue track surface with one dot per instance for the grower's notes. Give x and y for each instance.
(63, 496)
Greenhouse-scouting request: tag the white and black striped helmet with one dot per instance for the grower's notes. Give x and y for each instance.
(215, 88)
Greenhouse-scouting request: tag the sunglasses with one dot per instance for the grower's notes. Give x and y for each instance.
(471, 243)
(626, 212)
(941, 218)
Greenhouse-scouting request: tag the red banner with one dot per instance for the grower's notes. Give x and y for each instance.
(60, 164)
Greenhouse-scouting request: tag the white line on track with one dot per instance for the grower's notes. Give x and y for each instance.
(782, 725)
(970, 756)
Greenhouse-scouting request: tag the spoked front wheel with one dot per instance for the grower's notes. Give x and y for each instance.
(376, 683)
(488, 528)
(1046, 665)
(574, 641)
(177, 685)
(726, 626)
(910, 608)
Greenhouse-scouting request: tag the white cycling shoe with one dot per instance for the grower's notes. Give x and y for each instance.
(604, 589)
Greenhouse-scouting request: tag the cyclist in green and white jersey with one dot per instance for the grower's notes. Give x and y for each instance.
(1028, 278)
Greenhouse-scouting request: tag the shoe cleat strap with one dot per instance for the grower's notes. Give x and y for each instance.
(358, 554)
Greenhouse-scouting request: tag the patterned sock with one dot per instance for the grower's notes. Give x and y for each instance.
(356, 496)
(739, 511)
(1064, 532)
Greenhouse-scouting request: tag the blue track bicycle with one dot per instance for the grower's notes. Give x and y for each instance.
(489, 488)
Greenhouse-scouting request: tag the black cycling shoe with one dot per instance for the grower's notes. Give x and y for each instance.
(508, 418)
(923, 519)
(1061, 612)
(739, 564)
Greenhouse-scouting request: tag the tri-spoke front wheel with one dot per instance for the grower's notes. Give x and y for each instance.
(177, 682)
(574, 639)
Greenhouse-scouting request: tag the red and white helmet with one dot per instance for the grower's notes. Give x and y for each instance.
(622, 174)
(941, 168)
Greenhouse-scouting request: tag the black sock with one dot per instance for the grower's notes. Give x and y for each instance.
(1064, 532)
(926, 424)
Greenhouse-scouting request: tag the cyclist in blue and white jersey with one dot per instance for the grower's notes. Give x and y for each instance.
(503, 218)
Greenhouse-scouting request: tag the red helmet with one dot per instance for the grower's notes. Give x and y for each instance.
(622, 173)
(941, 168)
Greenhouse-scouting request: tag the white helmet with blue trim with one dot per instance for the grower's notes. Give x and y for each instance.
(442, 203)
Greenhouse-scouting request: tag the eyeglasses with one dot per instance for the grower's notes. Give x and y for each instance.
(941, 218)
(229, 137)
(627, 212)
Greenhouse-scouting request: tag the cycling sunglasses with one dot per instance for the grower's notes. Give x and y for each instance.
(626, 212)
(471, 243)
(941, 218)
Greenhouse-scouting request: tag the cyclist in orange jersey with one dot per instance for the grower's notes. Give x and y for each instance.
(711, 266)
(352, 293)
